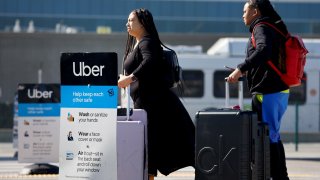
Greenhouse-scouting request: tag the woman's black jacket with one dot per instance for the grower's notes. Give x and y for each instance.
(262, 79)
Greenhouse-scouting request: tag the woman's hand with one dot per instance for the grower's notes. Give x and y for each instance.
(124, 80)
(234, 76)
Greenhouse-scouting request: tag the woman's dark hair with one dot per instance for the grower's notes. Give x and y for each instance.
(146, 19)
(266, 9)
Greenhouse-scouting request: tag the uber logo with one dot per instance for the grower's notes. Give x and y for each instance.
(39, 94)
(85, 70)
(218, 160)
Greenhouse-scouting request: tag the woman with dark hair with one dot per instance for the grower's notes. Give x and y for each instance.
(269, 93)
(171, 132)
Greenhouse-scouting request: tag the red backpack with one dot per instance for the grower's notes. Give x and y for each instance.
(295, 58)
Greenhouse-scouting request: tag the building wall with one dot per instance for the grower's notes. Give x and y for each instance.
(23, 54)
(187, 16)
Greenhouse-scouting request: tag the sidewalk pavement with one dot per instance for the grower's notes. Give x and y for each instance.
(302, 151)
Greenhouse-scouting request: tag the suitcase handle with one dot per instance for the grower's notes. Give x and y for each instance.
(240, 94)
(124, 108)
(128, 111)
(128, 102)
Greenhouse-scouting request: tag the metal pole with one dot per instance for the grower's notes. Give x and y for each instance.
(297, 127)
(39, 76)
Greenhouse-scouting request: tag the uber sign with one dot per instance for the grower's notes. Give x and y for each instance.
(37, 121)
(39, 94)
(85, 70)
(88, 68)
(88, 116)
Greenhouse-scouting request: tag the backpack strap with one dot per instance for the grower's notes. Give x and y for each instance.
(274, 27)
(254, 43)
(269, 24)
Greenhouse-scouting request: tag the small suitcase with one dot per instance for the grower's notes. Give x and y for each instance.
(230, 144)
(132, 144)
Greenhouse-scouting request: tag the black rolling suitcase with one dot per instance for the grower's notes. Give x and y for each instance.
(231, 144)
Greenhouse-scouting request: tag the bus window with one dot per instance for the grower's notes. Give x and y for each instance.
(219, 85)
(193, 83)
(298, 94)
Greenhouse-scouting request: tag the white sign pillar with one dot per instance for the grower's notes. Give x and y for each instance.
(89, 94)
(38, 122)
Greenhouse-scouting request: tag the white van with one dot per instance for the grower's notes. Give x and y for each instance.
(205, 86)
